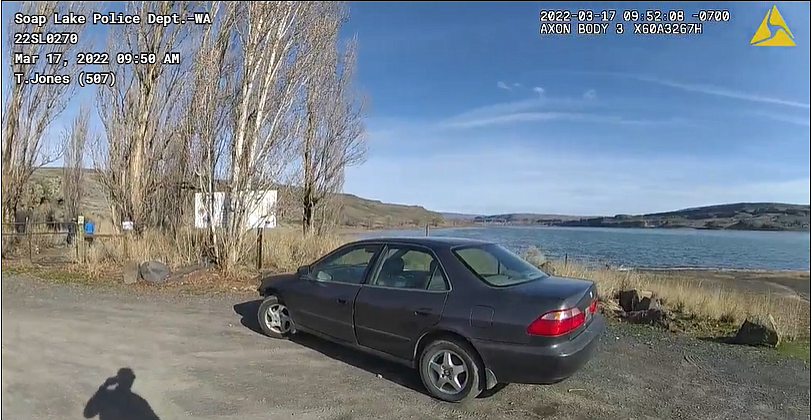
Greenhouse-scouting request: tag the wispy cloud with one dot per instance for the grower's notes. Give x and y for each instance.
(802, 121)
(590, 94)
(554, 116)
(517, 85)
(503, 85)
(719, 91)
(539, 90)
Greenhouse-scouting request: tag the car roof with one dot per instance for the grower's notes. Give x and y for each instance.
(427, 241)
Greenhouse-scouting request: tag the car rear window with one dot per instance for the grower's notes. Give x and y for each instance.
(497, 266)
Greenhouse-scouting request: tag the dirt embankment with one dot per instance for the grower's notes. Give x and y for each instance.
(192, 358)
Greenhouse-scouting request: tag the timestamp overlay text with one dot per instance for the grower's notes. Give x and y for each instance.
(47, 49)
(629, 22)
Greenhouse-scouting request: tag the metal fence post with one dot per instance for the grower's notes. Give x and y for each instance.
(80, 242)
(30, 248)
(126, 239)
(259, 248)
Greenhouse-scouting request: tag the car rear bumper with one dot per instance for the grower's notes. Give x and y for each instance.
(522, 364)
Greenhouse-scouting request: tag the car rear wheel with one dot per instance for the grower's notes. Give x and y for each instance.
(274, 318)
(451, 371)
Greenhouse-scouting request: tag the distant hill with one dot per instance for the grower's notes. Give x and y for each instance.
(459, 216)
(736, 216)
(526, 218)
(45, 190)
(355, 211)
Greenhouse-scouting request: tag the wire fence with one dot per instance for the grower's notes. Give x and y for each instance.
(55, 241)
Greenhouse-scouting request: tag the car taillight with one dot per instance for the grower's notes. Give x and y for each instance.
(593, 306)
(557, 322)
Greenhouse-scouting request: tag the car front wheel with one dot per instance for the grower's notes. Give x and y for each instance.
(274, 318)
(450, 371)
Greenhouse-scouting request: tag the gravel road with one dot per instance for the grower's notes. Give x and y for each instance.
(193, 358)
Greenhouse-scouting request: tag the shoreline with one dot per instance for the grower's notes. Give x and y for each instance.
(726, 270)
(626, 227)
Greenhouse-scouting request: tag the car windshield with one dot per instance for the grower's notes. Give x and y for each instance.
(496, 265)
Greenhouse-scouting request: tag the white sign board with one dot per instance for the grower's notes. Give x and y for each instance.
(260, 209)
(127, 225)
(261, 212)
(202, 217)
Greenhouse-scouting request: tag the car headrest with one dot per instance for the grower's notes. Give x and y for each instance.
(393, 265)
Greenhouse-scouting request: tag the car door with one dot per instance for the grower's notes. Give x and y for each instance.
(405, 295)
(323, 300)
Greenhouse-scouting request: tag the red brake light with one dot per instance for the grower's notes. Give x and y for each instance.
(557, 322)
(593, 306)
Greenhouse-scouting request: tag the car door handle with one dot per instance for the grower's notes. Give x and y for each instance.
(422, 312)
(341, 301)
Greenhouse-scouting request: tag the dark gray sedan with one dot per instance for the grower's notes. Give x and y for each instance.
(469, 315)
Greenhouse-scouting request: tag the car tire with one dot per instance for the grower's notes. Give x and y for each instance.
(442, 386)
(280, 326)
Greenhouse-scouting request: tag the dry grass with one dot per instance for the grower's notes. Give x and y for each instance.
(283, 249)
(287, 249)
(694, 299)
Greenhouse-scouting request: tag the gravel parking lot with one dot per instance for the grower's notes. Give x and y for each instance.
(193, 358)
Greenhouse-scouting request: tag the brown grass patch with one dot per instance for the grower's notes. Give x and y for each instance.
(699, 302)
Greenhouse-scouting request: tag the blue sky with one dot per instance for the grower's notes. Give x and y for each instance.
(472, 111)
(457, 125)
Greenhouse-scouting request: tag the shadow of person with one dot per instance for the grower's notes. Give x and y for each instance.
(115, 400)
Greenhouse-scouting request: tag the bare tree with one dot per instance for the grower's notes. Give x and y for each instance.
(141, 115)
(30, 108)
(75, 139)
(210, 109)
(333, 138)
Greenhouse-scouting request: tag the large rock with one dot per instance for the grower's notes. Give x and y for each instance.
(758, 331)
(656, 316)
(154, 272)
(132, 272)
(637, 300)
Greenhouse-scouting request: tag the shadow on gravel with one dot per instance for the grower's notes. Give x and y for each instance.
(115, 400)
(717, 339)
(394, 372)
(248, 315)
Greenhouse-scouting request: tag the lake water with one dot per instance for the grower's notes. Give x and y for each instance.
(662, 248)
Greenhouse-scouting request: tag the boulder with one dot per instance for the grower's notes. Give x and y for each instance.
(132, 272)
(758, 331)
(637, 300)
(154, 272)
(657, 317)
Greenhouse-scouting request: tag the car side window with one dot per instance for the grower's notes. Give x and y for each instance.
(409, 268)
(348, 266)
(480, 261)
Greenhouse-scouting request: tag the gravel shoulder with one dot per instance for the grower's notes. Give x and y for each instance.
(194, 358)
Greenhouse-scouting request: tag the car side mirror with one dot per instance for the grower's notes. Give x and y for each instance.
(303, 271)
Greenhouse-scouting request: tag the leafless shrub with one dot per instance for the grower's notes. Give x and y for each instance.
(142, 151)
(333, 138)
(75, 139)
(30, 108)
